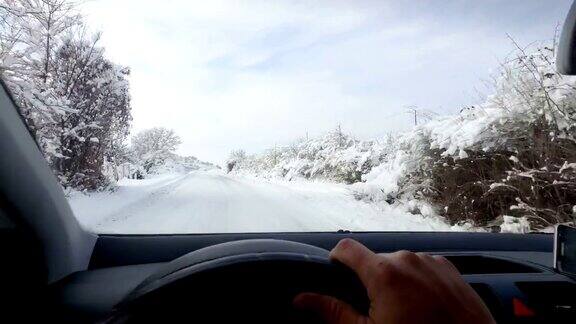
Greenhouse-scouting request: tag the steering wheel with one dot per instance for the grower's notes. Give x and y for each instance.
(248, 281)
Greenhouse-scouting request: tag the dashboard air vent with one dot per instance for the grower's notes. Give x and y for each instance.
(475, 264)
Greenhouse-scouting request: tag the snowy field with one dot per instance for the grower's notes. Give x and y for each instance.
(213, 202)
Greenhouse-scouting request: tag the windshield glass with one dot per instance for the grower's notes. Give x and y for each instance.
(282, 116)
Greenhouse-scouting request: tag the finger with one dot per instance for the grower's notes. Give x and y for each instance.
(437, 273)
(330, 309)
(428, 260)
(358, 258)
(446, 263)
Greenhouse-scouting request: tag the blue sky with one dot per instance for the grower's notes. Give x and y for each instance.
(253, 74)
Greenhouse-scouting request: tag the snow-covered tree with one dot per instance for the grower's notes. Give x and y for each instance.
(236, 157)
(31, 31)
(97, 90)
(153, 146)
(74, 101)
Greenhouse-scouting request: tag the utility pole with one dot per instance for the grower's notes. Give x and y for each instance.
(413, 110)
(340, 136)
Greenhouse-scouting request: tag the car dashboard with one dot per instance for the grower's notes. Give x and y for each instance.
(512, 273)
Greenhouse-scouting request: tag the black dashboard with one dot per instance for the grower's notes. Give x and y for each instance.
(512, 273)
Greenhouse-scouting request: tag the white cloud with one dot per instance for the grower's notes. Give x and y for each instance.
(249, 74)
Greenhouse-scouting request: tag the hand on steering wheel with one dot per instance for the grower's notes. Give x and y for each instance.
(403, 287)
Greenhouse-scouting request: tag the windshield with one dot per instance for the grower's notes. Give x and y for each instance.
(290, 116)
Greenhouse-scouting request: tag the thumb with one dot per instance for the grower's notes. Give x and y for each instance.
(330, 309)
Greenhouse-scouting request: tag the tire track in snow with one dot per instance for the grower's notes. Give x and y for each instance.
(133, 208)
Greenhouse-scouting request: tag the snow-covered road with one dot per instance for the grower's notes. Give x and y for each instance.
(212, 202)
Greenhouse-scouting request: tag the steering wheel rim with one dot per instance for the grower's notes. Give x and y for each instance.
(253, 261)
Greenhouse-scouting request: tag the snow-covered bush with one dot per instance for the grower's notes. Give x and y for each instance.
(334, 156)
(514, 155)
(174, 163)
